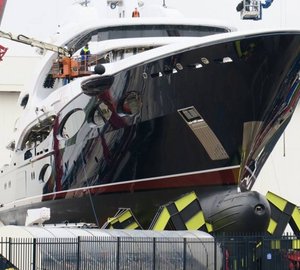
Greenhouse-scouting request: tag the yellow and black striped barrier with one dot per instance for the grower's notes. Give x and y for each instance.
(186, 213)
(182, 214)
(283, 213)
(123, 219)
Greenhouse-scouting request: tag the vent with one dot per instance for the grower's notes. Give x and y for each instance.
(204, 133)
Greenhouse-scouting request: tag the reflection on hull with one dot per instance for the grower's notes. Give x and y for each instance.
(198, 117)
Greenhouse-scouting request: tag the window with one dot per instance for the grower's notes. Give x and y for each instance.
(38, 133)
(45, 173)
(156, 30)
(72, 124)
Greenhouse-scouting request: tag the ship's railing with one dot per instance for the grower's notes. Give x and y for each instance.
(76, 66)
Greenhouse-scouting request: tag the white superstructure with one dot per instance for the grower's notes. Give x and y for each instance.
(10, 88)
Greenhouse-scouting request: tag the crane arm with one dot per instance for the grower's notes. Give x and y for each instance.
(36, 43)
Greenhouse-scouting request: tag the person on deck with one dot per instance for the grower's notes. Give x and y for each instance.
(85, 53)
(135, 13)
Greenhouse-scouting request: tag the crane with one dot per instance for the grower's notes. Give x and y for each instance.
(28, 41)
(64, 67)
(252, 9)
(36, 43)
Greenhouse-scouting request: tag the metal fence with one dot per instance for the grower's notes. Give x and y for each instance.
(234, 252)
(106, 253)
(259, 252)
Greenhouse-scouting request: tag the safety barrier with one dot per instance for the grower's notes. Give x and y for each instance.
(186, 213)
(283, 213)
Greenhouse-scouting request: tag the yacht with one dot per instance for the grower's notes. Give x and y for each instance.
(159, 108)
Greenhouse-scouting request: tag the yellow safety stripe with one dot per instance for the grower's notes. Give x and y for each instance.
(162, 221)
(185, 201)
(125, 216)
(196, 222)
(272, 226)
(276, 200)
(209, 227)
(112, 220)
(296, 244)
(132, 226)
(296, 218)
(275, 244)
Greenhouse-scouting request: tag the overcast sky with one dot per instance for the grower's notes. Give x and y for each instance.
(22, 14)
(40, 18)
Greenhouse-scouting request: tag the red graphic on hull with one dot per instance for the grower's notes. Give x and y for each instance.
(2, 7)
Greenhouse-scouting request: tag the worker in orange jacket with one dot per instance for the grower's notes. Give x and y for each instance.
(135, 13)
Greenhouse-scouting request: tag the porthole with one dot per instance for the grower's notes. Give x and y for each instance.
(45, 173)
(72, 124)
(179, 66)
(101, 114)
(205, 60)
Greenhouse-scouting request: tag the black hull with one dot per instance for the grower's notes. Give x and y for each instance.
(224, 208)
(145, 152)
(260, 86)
